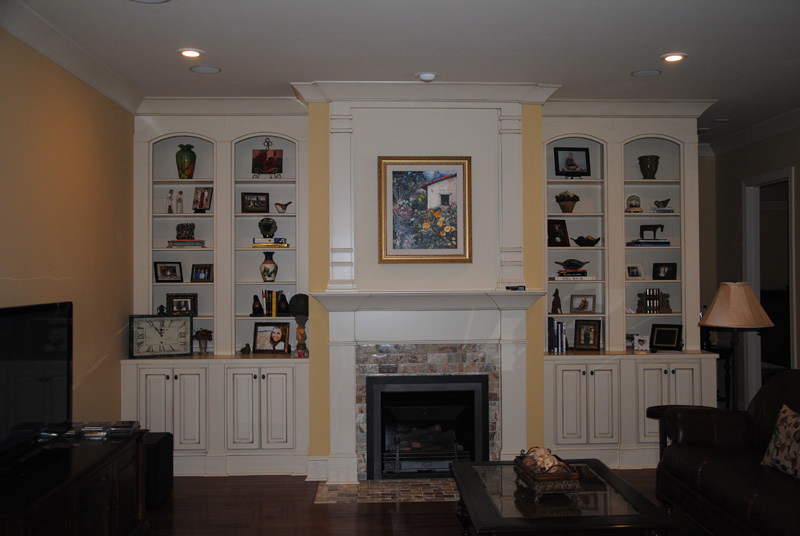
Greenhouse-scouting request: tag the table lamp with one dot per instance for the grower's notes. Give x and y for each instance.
(735, 307)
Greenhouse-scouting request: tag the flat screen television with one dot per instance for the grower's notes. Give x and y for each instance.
(35, 376)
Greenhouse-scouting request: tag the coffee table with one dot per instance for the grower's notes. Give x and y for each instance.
(494, 501)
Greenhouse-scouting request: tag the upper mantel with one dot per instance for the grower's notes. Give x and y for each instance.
(346, 301)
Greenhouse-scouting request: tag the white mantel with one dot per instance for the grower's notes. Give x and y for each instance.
(395, 317)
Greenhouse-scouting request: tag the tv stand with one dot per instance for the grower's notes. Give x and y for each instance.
(90, 487)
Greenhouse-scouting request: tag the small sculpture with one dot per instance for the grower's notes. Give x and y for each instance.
(556, 307)
(267, 226)
(298, 307)
(246, 348)
(281, 207)
(650, 228)
(662, 204)
(586, 241)
(572, 264)
(170, 210)
(179, 202)
(258, 309)
(634, 204)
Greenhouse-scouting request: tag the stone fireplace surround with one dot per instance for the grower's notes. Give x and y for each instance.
(476, 325)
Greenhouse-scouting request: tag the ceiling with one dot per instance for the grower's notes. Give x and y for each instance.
(743, 53)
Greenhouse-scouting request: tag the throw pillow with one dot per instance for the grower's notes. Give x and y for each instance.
(783, 451)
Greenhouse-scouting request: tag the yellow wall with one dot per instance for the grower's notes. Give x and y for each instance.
(318, 251)
(66, 214)
(533, 240)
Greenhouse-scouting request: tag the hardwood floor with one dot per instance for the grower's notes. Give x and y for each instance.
(284, 505)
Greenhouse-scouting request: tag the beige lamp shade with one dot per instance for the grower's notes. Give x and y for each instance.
(736, 306)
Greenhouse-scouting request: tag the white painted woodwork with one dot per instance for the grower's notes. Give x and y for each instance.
(259, 410)
(587, 403)
(663, 383)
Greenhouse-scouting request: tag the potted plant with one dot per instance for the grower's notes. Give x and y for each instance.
(202, 336)
(566, 200)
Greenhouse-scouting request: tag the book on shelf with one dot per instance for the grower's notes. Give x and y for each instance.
(270, 246)
(193, 243)
(269, 241)
(574, 278)
(556, 336)
(649, 242)
(662, 210)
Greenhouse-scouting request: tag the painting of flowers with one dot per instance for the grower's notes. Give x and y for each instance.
(424, 209)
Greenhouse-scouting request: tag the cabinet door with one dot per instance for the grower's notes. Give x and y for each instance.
(242, 408)
(155, 399)
(603, 407)
(653, 390)
(685, 384)
(277, 408)
(570, 404)
(189, 420)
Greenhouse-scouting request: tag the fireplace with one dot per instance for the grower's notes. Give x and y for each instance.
(417, 425)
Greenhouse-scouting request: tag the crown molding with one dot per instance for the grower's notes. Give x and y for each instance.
(250, 106)
(761, 131)
(626, 108)
(26, 26)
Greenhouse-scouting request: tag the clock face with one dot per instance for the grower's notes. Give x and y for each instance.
(160, 336)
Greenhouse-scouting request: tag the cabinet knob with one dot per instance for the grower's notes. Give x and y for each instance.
(673, 371)
(255, 376)
(665, 371)
(167, 376)
(263, 376)
(175, 377)
(591, 373)
(583, 373)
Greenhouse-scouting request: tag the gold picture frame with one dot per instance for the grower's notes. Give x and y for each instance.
(424, 209)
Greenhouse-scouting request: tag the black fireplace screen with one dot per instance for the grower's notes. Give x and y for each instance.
(417, 425)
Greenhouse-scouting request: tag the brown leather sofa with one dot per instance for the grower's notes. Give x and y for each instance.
(712, 469)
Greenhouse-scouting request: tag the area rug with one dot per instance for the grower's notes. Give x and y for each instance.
(377, 491)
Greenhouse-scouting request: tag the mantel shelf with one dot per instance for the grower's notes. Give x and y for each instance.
(419, 300)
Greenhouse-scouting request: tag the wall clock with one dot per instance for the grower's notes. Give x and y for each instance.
(160, 336)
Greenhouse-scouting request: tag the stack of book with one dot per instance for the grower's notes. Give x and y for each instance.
(662, 210)
(274, 304)
(556, 337)
(573, 275)
(191, 243)
(647, 242)
(266, 243)
(96, 430)
(123, 429)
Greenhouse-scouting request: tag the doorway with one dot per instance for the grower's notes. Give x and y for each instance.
(768, 267)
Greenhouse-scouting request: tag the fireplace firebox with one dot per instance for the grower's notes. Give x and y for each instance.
(417, 425)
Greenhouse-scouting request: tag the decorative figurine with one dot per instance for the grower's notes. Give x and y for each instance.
(634, 204)
(246, 348)
(258, 309)
(169, 203)
(586, 241)
(298, 306)
(281, 207)
(572, 264)
(267, 226)
(179, 203)
(661, 204)
(556, 308)
(652, 228)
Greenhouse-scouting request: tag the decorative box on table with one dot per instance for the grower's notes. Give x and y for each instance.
(557, 477)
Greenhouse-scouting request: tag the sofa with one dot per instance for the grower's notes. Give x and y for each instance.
(736, 472)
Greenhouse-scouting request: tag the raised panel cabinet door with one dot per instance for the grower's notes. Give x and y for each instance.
(571, 404)
(685, 384)
(242, 408)
(653, 390)
(155, 399)
(277, 395)
(189, 426)
(603, 407)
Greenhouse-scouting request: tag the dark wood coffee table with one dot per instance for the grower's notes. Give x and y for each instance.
(494, 501)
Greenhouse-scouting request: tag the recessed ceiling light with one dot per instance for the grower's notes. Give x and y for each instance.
(673, 57)
(190, 52)
(426, 76)
(205, 69)
(645, 72)
(150, 1)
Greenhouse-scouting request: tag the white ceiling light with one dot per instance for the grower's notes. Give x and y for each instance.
(190, 52)
(205, 69)
(426, 76)
(672, 57)
(151, 1)
(645, 72)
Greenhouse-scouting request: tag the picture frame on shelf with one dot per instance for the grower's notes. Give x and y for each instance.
(267, 161)
(424, 209)
(665, 271)
(587, 335)
(630, 340)
(557, 235)
(182, 304)
(202, 273)
(666, 337)
(581, 303)
(572, 161)
(271, 338)
(634, 271)
(202, 199)
(168, 272)
(255, 202)
(641, 343)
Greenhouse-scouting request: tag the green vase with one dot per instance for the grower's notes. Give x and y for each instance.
(185, 159)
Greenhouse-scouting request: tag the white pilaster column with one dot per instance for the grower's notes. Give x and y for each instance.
(510, 177)
(342, 196)
(342, 460)
(513, 355)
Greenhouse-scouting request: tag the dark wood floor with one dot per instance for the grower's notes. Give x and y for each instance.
(284, 505)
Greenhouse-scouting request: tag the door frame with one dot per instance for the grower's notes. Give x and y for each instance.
(751, 229)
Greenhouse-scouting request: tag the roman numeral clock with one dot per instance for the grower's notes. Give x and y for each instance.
(160, 336)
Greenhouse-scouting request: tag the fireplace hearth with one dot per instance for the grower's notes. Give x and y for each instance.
(417, 425)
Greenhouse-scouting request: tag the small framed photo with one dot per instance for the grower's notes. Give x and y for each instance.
(202, 199)
(267, 161)
(634, 271)
(202, 273)
(271, 338)
(168, 272)
(666, 337)
(572, 161)
(255, 202)
(182, 304)
(665, 270)
(581, 303)
(641, 343)
(587, 334)
(557, 234)
(630, 340)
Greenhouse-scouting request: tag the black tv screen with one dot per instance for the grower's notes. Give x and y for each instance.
(35, 373)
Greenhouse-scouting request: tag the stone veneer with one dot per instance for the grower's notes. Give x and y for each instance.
(429, 360)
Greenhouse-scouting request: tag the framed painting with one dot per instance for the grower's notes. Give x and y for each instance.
(557, 236)
(255, 202)
(424, 209)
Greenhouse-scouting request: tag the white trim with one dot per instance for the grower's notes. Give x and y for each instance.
(766, 129)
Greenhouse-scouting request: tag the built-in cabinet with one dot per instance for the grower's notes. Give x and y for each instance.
(587, 403)
(227, 415)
